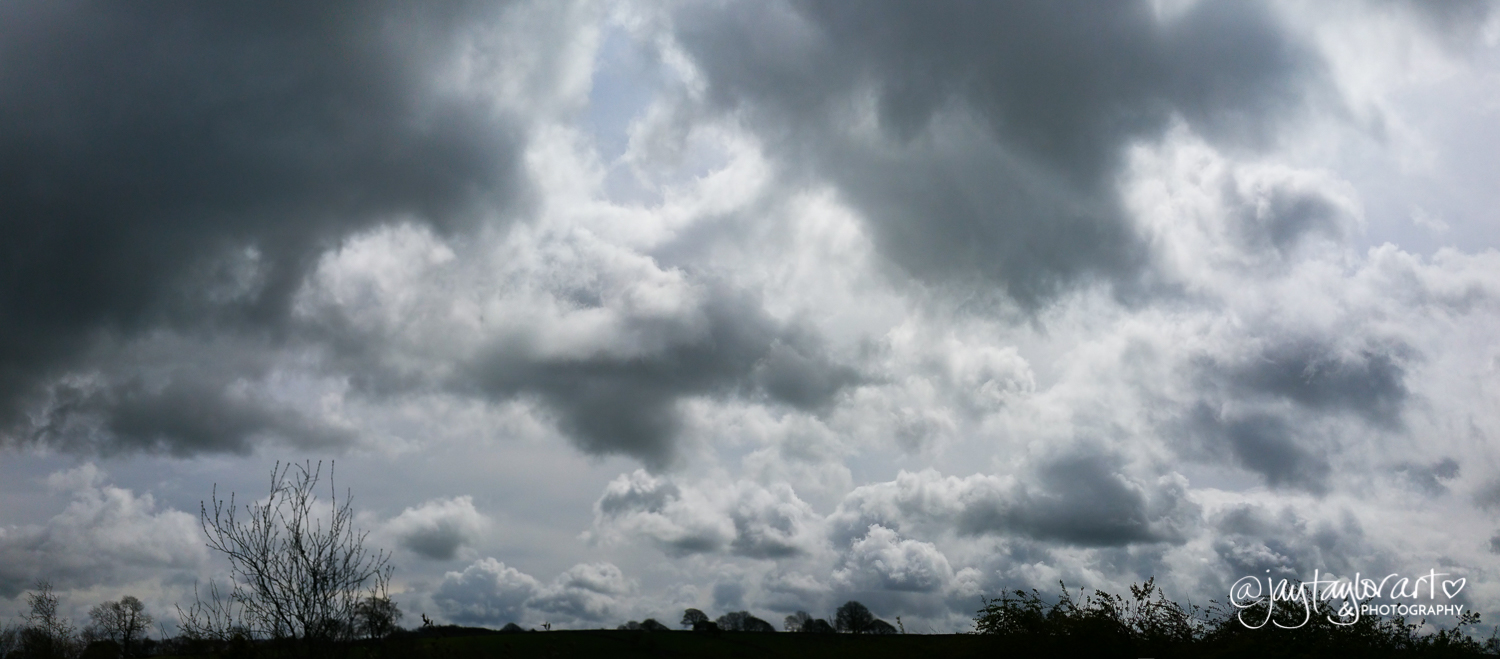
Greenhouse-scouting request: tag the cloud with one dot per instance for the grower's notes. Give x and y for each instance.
(490, 593)
(180, 169)
(1075, 499)
(107, 535)
(883, 560)
(741, 518)
(486, 592)
(982, 142)
(438, 529)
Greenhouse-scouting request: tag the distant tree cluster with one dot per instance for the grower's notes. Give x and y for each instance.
(649, 624)
(301, 580)
(1148, 624)
(851, 618)
(116, 629)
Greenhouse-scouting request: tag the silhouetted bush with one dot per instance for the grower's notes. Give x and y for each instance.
(511, 628)
(1148, 624)
(651, 625)
(880, 627)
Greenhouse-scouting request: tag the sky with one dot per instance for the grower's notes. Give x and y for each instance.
(604, 310)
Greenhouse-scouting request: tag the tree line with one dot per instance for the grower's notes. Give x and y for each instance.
(851, 618)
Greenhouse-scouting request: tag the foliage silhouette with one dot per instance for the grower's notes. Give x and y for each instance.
(853, 618)
(1149, 624)
(691, 617)
(742, 621)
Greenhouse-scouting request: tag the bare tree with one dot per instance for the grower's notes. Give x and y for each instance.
(295, 575)
(123, 622)
(47, 634)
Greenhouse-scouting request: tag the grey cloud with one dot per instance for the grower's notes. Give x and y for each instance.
(611, 404)
(741, 517)
(181, 166)
(642, 505)
(1273, 410)
(586, 592)
(1078, 499)
(439, 528)
(1278, 217)
(729, 595)
(1431, 478)
(1252, 539)
(1000, 126)
(1086, 500)
(800, 373)
(1370, 382)
(170, 394)
(188, 414)
(1263, 443)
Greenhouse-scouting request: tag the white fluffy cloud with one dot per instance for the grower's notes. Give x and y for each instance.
(490, 593)
(106, 535)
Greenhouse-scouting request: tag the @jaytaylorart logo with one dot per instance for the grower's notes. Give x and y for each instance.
(1259, 598)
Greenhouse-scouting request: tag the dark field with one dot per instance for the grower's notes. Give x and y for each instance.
(634, 643)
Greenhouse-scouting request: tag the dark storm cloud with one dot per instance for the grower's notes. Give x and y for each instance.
(1084, 500)
(1080, 499)
(181, 165)
(1283, 217)
(1000, 125)
(186, 415)
(627, 405)
(744, 518)
(1263, 443)
(1257, 410)
(1252, 539)
(1370, 383)
(1431, 478)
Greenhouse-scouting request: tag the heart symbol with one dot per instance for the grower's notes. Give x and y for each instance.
(1456, 582)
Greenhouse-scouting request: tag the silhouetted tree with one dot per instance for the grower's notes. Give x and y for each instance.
(878, 626)
(376, 617)
(853, 618)
(124, 622)
(651, 625)
(294, 575)
(47, 634)
(794, 622)
(691, 618)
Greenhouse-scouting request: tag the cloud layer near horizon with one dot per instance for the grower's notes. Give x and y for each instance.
(780, 303)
